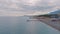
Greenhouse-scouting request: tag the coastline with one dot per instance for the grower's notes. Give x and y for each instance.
(46, 20)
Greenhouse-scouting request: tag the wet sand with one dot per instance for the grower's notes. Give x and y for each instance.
(54, 24)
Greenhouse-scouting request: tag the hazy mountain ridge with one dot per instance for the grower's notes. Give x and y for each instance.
(55, 12)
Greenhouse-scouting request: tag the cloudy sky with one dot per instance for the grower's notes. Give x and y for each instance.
(27, 7)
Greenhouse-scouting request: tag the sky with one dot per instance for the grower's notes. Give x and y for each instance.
(27, 7)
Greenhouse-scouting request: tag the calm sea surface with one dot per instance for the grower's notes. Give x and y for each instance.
(20, 25)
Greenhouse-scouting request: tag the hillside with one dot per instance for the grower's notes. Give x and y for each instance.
(55, 12)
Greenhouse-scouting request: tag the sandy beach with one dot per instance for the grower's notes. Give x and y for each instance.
(55, 24)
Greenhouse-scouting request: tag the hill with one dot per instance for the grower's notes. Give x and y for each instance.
(55, 12)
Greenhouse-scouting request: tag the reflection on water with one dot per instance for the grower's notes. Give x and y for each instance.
(19, 25)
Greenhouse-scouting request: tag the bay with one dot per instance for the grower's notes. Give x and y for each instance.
(20, 25)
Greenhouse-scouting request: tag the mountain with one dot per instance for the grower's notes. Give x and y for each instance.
(55, 12)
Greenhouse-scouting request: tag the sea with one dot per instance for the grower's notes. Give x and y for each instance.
(22, 25)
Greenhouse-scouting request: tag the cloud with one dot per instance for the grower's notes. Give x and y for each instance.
(23, 7)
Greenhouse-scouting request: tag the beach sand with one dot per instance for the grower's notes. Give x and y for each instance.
(55, 24)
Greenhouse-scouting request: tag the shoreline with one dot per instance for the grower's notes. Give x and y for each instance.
(46, 20)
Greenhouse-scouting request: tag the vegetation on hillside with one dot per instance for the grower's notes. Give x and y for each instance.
(47, 15)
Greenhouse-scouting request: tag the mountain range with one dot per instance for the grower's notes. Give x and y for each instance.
(55, 12)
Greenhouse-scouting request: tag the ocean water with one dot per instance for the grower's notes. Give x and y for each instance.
(20, 25)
